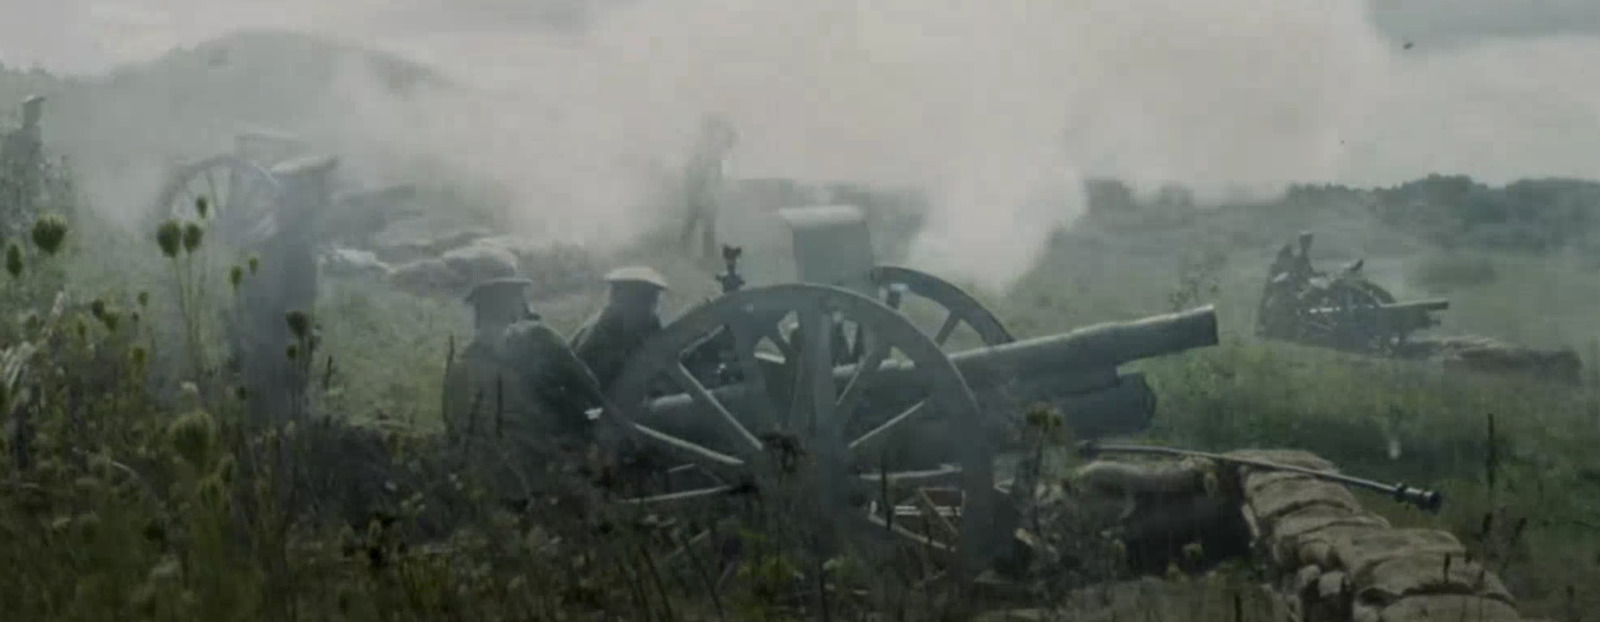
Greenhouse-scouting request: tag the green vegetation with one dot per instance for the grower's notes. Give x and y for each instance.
(132, 487)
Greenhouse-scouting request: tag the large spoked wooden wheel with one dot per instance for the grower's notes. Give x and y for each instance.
(847, 452)
(240, 197)
(956, 307)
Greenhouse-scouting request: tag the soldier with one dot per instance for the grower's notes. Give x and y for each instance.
(1286, 280)
(22, 161)
(630, 316)
(517, 380)
(1301, 269)
(704, 177)
(24, 144)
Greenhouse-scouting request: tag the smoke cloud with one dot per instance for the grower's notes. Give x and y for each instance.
(998, 108)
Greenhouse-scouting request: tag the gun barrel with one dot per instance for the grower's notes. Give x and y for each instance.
(1431, 304)
(1074, 362)
(1102, 346)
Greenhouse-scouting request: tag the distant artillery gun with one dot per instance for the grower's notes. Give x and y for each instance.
(269, 201)
(1384, 326)
(824, 393)
(1348, 312)
(1344, 311)
(242, 191)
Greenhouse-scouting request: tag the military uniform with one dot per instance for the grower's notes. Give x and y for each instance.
(704, 179)
(606, 341)
(517, 381)
(22, 165)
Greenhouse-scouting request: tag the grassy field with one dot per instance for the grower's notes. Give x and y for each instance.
(123, 498)
(130, 507)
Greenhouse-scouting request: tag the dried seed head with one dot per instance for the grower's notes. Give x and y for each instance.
(169, 236)
(236, 276)
(202, 206)
(48, 233)
(193, 436)
(14, 260)
(299, 323)
(192, 235)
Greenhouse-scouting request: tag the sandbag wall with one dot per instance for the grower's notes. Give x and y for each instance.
(1337, 562)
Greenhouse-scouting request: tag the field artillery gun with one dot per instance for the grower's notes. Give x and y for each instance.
(272, 202)
(1343, 311)
(244, 193)
(832, 245)
(31, 181)
(832, 403)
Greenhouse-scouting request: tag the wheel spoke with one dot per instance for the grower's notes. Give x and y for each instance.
(845, 408)
(817, 367)
(244, 201)
(947, 475)
(230, 205)
(936, 514)
(942, 552)
(675, 497)
(185, 208)
(873, 439)
(693, 451)
(755, 378)
(701, 395)
(951, 321)
(211, 184)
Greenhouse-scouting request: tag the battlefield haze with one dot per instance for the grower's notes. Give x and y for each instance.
(799, 309)
(997, 109)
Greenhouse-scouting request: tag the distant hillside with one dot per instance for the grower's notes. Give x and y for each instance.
(190, 102)
(1448, 211)
(125, 126)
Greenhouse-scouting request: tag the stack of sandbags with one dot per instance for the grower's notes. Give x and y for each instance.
(1336, 561)
(555, 269)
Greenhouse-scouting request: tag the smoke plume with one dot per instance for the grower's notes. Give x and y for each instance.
(997, 108)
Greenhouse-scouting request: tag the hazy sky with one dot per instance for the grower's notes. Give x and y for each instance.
(997, 107)
(98, 33)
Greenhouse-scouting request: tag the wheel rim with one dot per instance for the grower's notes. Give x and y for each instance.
(742, 432)
(960, 308)
(241, 196)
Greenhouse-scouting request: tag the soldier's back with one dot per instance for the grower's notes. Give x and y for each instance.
(605, 343)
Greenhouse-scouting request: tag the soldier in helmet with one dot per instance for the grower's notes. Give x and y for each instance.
(22, 157)
(1301, 270)
(1277, 294)
(517, 380)
(630, 315)
(706, 173)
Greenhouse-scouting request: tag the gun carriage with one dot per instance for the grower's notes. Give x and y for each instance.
(826, 386)
(1343, 311)
(272, 200)
(244, 193)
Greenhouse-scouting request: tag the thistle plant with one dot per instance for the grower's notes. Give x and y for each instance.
(181, 243)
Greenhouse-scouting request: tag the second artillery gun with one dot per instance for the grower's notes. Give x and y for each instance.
(244, 191)
(826, 388)
(1344, 311)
